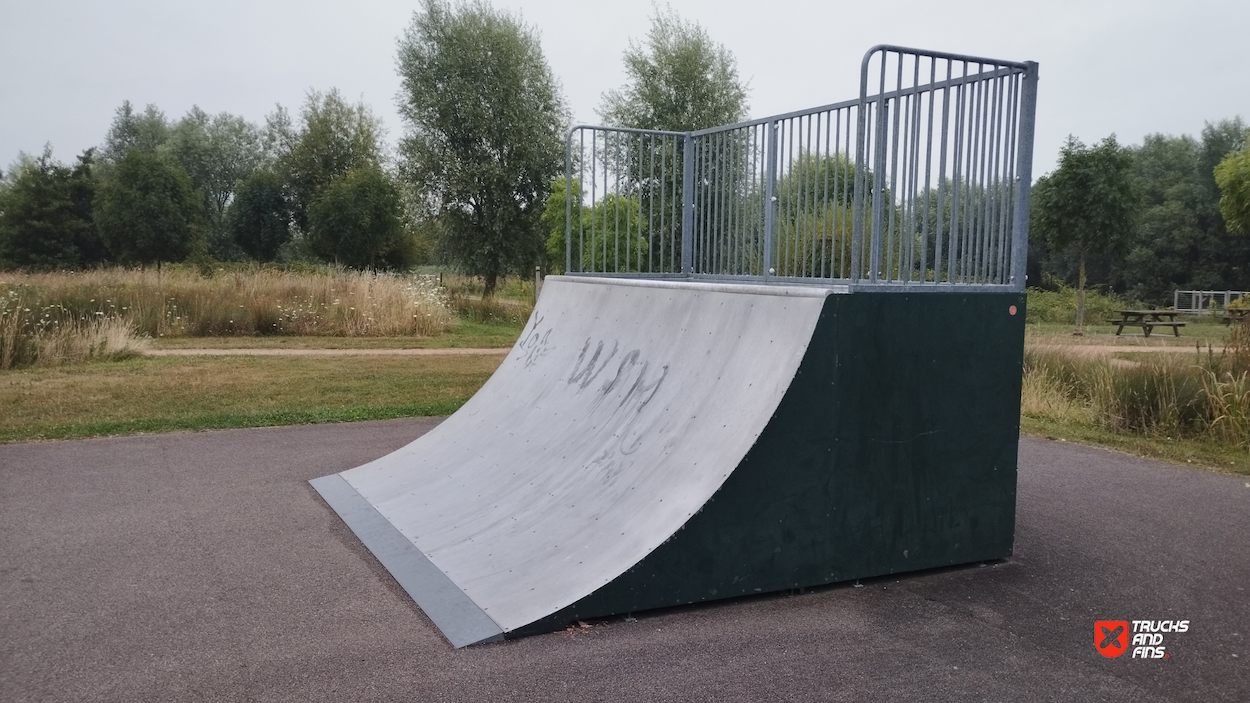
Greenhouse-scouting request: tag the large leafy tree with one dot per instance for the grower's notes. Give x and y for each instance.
(678, 80)
(147, 210)
(1169, 245)
(218, 152)
(258, 219)
(1233, 177)
(333, 137)
(45, 214)
(485, 121)
(1089, 204)
(358, 219)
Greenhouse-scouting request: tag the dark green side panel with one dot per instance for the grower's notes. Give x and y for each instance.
(893, 450)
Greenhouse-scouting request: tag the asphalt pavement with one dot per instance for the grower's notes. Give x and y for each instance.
(202, 566)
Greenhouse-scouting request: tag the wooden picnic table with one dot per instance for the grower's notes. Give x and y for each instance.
(1147, 320)
(1231, 314)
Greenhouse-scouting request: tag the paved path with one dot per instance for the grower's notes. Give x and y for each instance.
(326, 352)
(201, 566)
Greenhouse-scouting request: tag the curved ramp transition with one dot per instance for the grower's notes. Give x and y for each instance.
(649, 443)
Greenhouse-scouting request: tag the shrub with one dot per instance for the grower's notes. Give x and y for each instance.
(1060, 305)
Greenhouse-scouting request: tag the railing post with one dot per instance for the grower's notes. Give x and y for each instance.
(878, 186)
(568, 202)
(1024, 178)
(687, 206)
(770, 199)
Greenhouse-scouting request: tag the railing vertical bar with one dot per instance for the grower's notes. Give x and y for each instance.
(915, 247)
(568, 202)
(939, 233)
(928, 182)
(594, 185)
(687, 206)
(846, 169)
(984, 180)
(826, 262)
(914, 267)
(956, 180)
(976, 163)
(890, 224)
(994, 223)
(770, 182)
(1024, 175)
(1009, 177)
(794, 136)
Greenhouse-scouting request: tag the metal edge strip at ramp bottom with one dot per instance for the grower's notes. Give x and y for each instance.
(455, 614)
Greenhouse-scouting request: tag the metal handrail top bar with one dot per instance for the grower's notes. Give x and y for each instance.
(627, 130)
(944, 55)
(1001, 68)
(843, 105)
(854, 102)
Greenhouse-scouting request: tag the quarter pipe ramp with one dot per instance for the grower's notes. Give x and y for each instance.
(651, 443)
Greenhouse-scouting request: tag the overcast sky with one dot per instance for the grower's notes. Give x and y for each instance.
(1132, 67)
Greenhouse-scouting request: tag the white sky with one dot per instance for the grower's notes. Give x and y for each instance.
(1132, 67)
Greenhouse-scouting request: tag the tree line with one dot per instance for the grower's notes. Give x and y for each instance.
(1146, 220)
(483, 143)
(468, 182)
(212, 187)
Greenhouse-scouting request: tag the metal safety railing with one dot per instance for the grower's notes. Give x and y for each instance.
(921, 183)
(1196, 301)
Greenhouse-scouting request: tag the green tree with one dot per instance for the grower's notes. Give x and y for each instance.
(82, 190)
(1168, 248)
(334, 138)
(1088, 203)
(553, 217)
(1233, 177)
(146, 131)
(217, 152)
(678, 80)
(358, 220)
(146, 209)
(45, 214)
(485, 132)
(258, 219)
(611, 236)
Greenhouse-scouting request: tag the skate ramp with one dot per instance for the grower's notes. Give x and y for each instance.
(620, 412)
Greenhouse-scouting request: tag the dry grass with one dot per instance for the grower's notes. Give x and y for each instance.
(1171, 404)
(47, 340)
(179, 302)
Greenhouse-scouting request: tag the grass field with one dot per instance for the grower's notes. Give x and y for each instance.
(1191, 452)
(1199, 330)
(463, 334)
(1095, 388)
(194, 393)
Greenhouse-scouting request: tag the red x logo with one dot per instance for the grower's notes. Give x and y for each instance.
(1111, 637)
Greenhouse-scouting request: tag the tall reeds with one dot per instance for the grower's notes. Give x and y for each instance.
(1160, 395)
